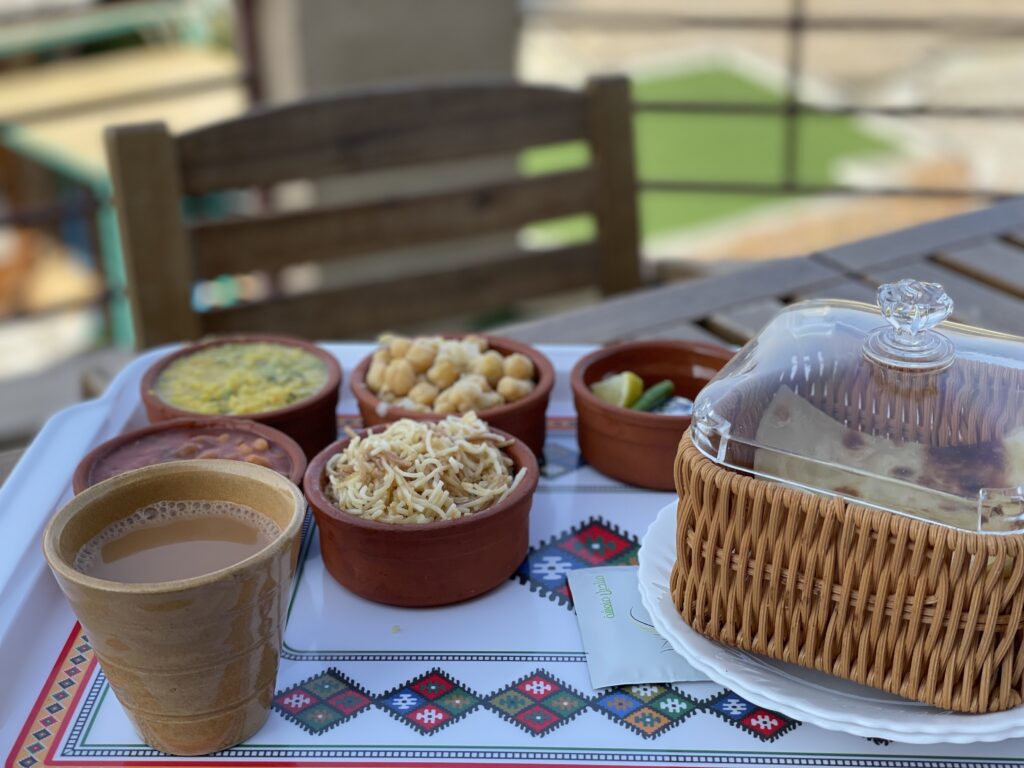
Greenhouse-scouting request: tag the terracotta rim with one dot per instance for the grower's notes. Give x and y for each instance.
(582, 392)
(333, 383)
(92, 494)
(313, 486)
(83, 472)
(545, 381)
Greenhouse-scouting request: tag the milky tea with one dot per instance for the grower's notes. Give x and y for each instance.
(170, 540)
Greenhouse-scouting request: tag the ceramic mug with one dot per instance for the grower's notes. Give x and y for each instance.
(192, 661)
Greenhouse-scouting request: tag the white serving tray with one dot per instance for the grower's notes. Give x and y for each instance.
(488, 645)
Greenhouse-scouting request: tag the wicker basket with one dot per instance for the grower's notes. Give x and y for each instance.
(917, 609)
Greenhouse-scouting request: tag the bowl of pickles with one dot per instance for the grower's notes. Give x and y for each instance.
(634, 401)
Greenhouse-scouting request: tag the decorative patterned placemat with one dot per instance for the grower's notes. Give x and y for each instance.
(498, 679)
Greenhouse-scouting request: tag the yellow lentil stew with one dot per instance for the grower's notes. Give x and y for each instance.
(241, 378)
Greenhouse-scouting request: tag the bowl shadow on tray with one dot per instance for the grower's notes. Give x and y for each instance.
(429, 564)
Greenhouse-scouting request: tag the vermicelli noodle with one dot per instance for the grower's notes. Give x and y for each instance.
(421, 472)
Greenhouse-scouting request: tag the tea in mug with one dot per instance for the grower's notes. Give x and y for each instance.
(171, 540)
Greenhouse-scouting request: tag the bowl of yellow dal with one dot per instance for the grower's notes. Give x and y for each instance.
(285, 383)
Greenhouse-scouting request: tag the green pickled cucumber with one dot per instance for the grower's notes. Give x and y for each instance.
(654, 396)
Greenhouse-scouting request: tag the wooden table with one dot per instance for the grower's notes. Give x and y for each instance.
(978, 257)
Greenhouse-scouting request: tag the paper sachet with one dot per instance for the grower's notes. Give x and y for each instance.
(622, 646)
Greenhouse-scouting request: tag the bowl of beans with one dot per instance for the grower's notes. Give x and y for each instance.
(189, 438)
(288, 384)
(505, 382)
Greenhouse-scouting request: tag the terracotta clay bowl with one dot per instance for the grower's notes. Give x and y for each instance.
(524, 418)
(128, 451)
(632, 446)
(311, 422)
(420, 565)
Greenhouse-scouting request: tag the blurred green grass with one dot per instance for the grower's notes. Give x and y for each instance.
(708, 148)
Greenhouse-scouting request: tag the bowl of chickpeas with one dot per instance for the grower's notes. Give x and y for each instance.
(506, 383)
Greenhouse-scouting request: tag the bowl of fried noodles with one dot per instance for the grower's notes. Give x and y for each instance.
(421, 513)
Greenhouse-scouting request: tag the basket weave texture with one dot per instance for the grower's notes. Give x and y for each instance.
(920, 610)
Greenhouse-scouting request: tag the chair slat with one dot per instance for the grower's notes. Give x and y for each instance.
(610, 121)
(270, 243)
(379, 129)
(147, 190)
(363, 309)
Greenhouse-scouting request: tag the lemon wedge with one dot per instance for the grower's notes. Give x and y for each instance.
(622, 389)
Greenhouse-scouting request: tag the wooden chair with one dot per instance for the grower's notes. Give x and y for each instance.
(369, 131)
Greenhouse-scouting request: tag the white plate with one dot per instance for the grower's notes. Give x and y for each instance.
(805, 694)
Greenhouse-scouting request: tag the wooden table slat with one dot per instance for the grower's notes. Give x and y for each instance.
(645, 312)
(685, 331)
(926, 238)
(849, 288)
(741, 323)
(994, 262)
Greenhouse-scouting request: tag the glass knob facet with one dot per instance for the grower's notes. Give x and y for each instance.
(912, 308)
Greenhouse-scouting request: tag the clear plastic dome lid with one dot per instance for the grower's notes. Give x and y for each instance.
(891, 407)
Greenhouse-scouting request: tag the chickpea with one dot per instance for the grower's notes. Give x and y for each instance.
(255, 458)
(519, 366)
(475, 340)
(514, 389)
(260, 444)
(209, 454)
(464, 395)
(421, 354)
(381, 356)
(223, 437)
(245, 449)
(444, 403)
(375, 375)
(477, 381)
(443, 374)
(411, 405)
(423, 393)
(398, 346)
(399, 377)
(489, 365)
(456, 353)
(489, 400)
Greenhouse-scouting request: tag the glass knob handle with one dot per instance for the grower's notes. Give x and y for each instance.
(913, 306)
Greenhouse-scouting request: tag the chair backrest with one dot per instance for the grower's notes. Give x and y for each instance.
(370, 131)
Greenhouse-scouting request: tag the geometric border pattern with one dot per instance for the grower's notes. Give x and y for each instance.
(538, 703)
(648, 710)
(757, 721)
(51, 706)
(322, 701)
(594, 542)
(64, 685)
(429, 702)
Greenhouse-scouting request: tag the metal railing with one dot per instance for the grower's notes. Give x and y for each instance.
(796, 25)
